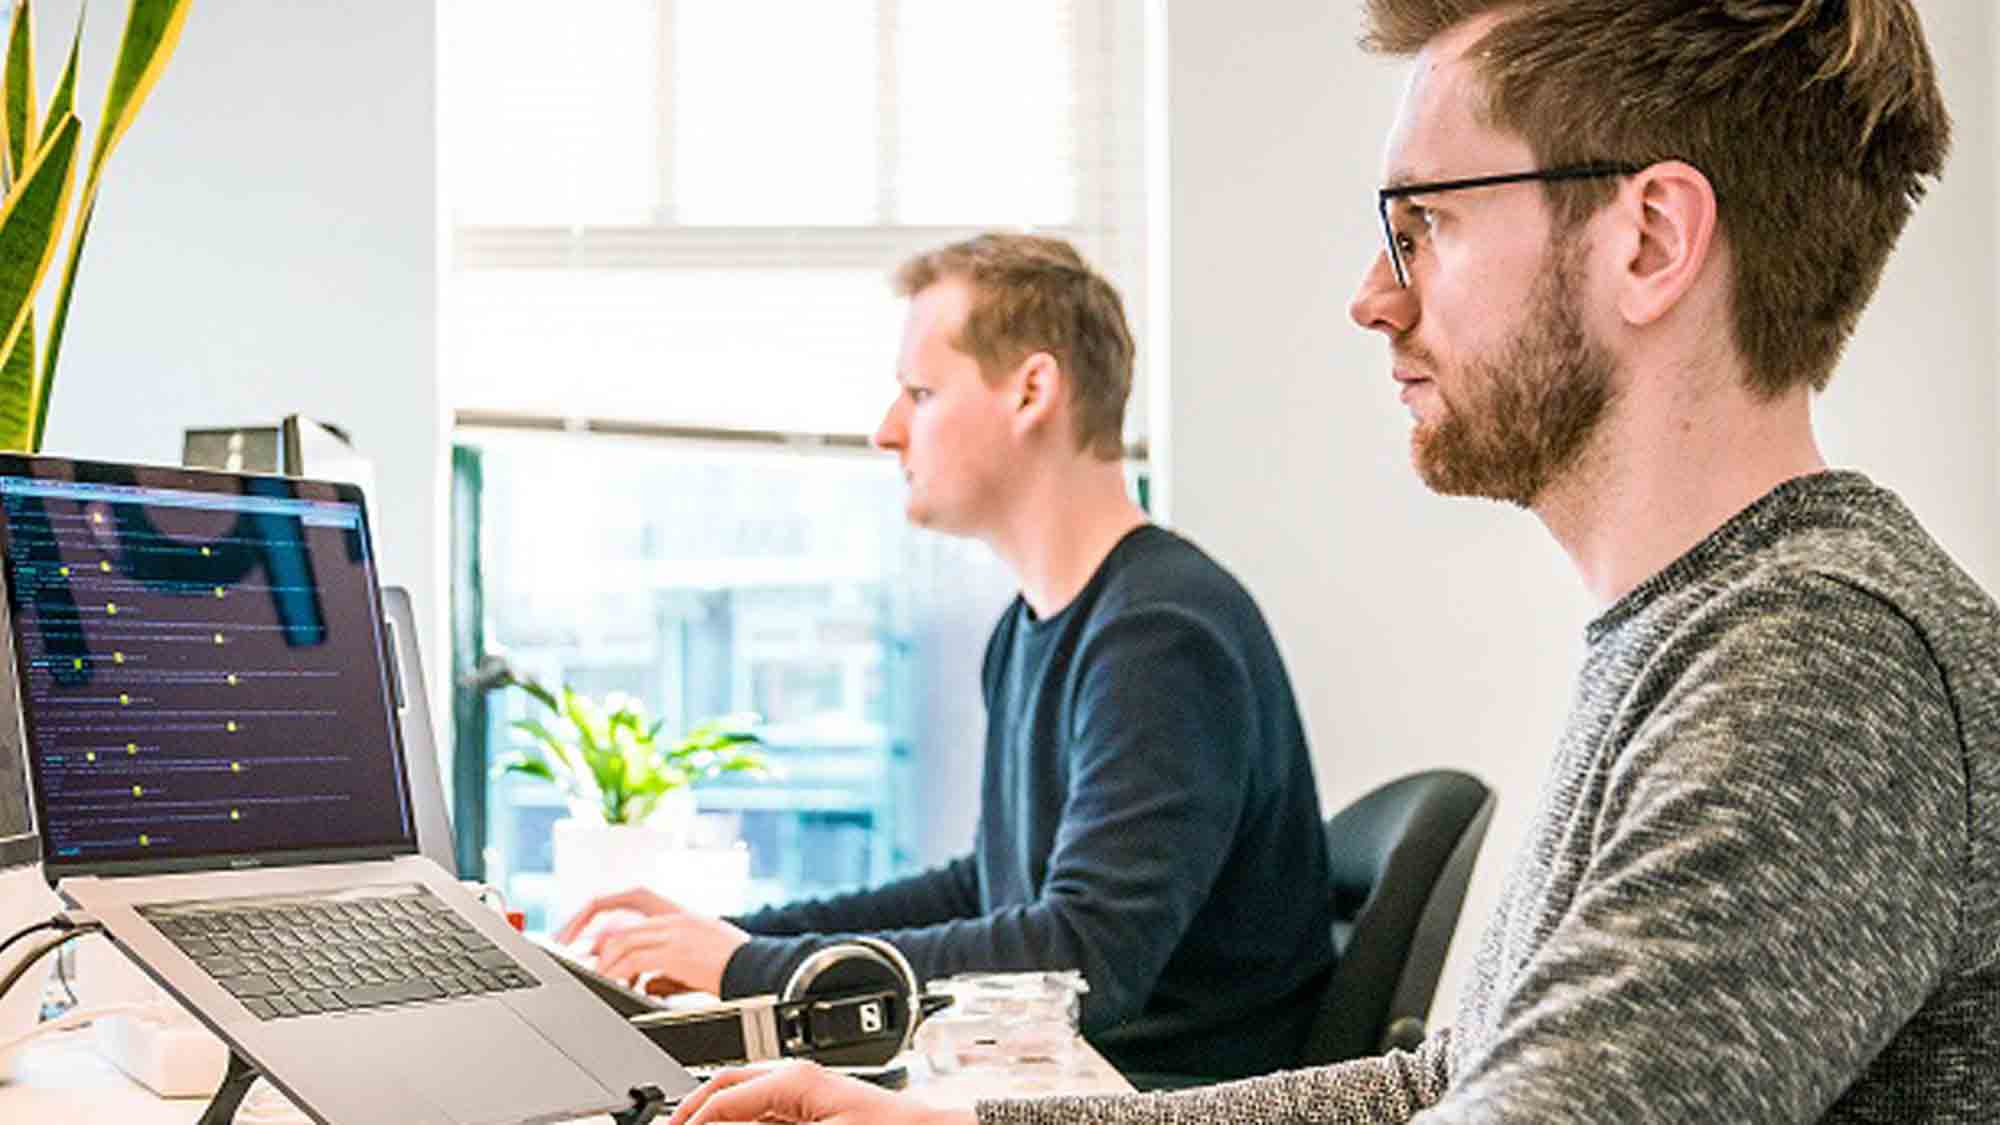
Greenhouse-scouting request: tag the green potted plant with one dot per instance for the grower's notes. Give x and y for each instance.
(612, 765)
(38, 161)
(631, 795)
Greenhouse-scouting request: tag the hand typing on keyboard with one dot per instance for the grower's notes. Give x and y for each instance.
(669, 949)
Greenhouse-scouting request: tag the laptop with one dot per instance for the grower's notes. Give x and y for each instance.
(217, 776)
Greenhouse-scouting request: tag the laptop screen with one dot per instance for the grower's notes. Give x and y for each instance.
(200, 661)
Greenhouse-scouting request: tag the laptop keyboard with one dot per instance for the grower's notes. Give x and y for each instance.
(304, 955)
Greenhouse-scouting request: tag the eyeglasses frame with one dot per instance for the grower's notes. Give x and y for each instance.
(1384, 196)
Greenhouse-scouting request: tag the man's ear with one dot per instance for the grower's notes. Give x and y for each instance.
(1668, 235)
(1038, 385)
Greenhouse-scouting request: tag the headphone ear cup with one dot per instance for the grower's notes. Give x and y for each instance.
(860, 964)
(905, 975)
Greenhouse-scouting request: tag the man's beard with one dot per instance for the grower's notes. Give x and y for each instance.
(1523, 420)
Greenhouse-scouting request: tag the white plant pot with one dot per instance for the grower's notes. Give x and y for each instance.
(593, 858)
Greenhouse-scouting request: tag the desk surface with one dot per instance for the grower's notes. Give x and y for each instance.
(63, 1078)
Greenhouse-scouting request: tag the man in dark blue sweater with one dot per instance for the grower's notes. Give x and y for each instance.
(1148, 813)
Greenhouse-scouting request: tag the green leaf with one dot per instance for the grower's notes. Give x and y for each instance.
(628, 723)
(63, 102)
(30, 227)
(743, 763)
(541, 693)
(553, 747)
(609, 753)
(38, 409)
(19, 371)
(606, 764)
(640, 807)
(582, 714)
(522, 763)
(152, 30)
(20, 90)
(539, 733)
(17, 385)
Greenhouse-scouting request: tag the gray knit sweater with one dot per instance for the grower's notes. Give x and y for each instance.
(1762, 883)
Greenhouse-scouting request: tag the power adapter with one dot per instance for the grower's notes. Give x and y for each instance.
(173, 1056)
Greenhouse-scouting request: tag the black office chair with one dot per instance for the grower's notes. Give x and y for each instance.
(1402, 856)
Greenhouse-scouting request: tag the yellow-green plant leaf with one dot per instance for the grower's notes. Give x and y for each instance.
(30, 226)
(17, 386)
(552, 746)
(523, 764)
(20, 90)
(540, 693)
(152, 30)
(38, 416)
(63, 102)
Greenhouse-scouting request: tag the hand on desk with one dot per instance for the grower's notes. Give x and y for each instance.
(671, 949)
(802, 1091)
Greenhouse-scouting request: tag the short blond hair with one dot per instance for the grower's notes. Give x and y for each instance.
(1032, 293)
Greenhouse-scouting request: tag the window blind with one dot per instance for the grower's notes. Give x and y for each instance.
(682, 212)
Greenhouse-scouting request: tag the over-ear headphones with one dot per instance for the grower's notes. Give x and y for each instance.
(859, 1004)
(853, 1003)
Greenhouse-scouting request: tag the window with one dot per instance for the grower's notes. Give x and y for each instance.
(670, 223)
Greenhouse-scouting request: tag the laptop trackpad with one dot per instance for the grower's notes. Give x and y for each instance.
(481, 1063)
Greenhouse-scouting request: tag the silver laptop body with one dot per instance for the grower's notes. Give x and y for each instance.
(198, 665)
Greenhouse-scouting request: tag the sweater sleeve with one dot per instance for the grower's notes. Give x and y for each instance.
(1391, 1088)
(926, 898)
(1772, 887)
(1158, 773)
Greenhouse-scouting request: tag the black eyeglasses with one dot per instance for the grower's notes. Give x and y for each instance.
(1388, 195)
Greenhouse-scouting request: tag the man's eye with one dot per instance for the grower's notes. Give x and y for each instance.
(1413, 227)
(917, 394)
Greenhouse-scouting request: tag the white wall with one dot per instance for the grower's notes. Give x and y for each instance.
(1916, 403)
(265, 244)
(1423, 632)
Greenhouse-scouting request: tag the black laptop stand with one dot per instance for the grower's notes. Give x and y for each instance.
(235, 1084)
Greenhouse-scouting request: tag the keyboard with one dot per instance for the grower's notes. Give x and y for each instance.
(304, 955)
(623, 999)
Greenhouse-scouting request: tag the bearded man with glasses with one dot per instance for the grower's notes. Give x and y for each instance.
(1626, 242)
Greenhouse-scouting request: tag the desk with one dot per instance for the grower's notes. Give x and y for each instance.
(63, 1079)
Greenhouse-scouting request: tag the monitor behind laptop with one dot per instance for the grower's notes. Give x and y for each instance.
(420, 748)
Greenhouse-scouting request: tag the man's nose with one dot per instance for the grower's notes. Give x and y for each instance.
(1381, 304)
(889, 435)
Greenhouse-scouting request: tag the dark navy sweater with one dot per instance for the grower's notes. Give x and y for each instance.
(1148, 815)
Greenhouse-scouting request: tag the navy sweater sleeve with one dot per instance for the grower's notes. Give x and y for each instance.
(929, 897)
(1156, 784)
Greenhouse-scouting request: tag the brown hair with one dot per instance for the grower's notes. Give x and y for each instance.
(1030, 294)
(1816, 121)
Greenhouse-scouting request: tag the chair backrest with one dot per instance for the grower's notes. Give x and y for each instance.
(1402, 856)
